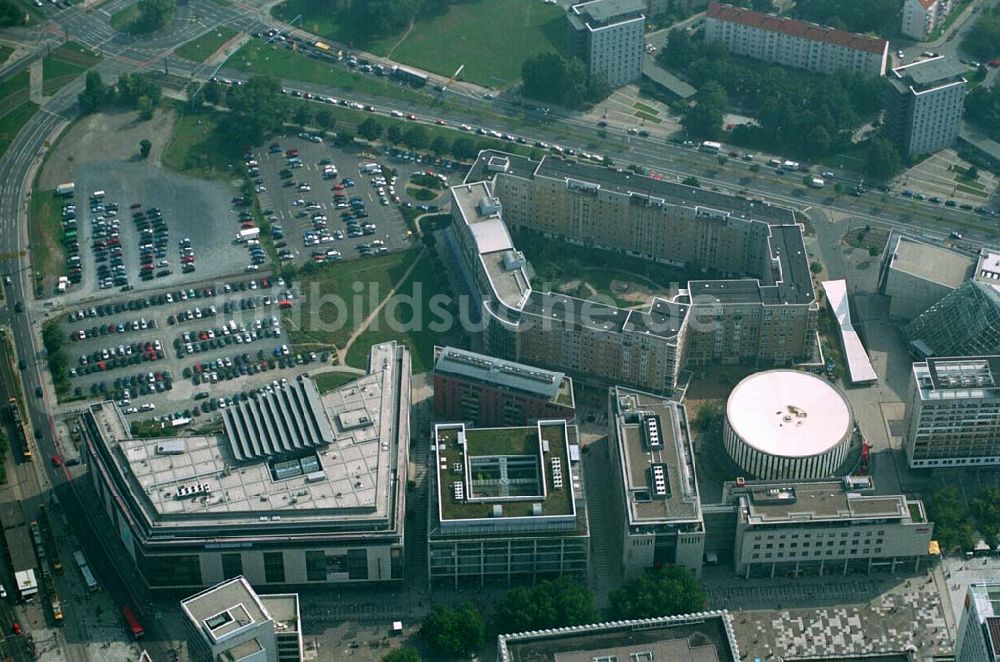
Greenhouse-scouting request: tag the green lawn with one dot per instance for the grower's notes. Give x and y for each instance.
(15, 109)
(199, 49)
(426, 280)
(123, 18)
(638, 105)
(5, 53)
(198, 147)
(376, 277)
(492, 38)
(66, 63)
(328, 381)
(45, 235)
(260, 58)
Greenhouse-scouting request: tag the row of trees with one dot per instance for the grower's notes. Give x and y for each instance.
(379, 17)
(878, 16)
(956, 525)
(130, 91)
(552, 78)
(11, 14)
(562, 602)
(153, 15)
(982, 108)
(52, 339)
(983, 40)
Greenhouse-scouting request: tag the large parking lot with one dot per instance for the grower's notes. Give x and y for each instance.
(301, 189)
(181, 350)
(187, 208)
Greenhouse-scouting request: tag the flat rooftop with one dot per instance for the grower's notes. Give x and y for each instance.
(859, 366)
(964, 377)
(928, 73)
(500, 473)
(603, 12)
(348, 477)
(988, 269)
(820, 501)
(658, 469)
(536, 382)
(932, 263)
(224, 609)
(704, 637)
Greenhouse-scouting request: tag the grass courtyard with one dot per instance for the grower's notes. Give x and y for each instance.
(65, 64)
(491, 38)
(198, 147)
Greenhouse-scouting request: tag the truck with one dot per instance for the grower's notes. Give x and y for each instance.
(248, 233)
(20, 550)
(816, 182)
(409, 76)
(711, 147)
(66, 190)
(790, 165)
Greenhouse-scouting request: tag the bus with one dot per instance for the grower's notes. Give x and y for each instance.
(132, 622)
(711, 147)
(414, 78)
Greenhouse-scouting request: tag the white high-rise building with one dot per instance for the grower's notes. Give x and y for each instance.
(608, 36)
(978, 637)
(921, 17)
(924, 105)
(953, 412)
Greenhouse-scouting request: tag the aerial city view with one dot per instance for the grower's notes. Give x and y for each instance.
(514, 330)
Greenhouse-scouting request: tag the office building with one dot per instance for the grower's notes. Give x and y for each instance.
(490, 392)
(787, 424)
(508, 505)
(653, 463)
(230, 622)
(965, 322)
(703, 637)
(924, 105)
(953, 412)
(793, 43)
(825, 527)
(300, 489)
(759, 309)
(978, 637)
(916, 275)
(922, 17)
(608, 35)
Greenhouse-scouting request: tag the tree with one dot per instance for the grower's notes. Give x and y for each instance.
(557, 603)
(691, 180)
(679, 50)
(394, 134)
(416, 137)
(212, 92)
(440, 145)
(146, 107)
(131, 88)
(258, 109)
(880, 16)
(154, 14)
(883, 160)
(402, 655)
(983, 40)
(144, 147)
(704, 119)
(324, 119)
(344, 138)
(454, 631)
(815, 266)
(370, 129)
(10, 14)
(982, 108)
(665, 591)
(303, 115)
(707, 416)
(986, 509)
(550, 77)
(95, 93)
(952, 527)
(464, 148)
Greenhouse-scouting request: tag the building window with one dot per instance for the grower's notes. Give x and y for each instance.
(357, 563)
(315, 566)
(274, 567)
(232, 566)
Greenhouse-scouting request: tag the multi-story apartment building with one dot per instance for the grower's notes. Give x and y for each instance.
(492, 392)
(608, 36)
(825, 527)
(793, 43)
(924, 105)
(916, 275)
(230, 621)
(953, 412)
(761, 309)
(508, 505)
(978, 638)
(301, 489)
(921, 17)
(654, 475)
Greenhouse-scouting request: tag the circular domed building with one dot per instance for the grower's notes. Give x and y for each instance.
(787, 424)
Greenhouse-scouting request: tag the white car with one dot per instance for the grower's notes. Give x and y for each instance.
(149, 406)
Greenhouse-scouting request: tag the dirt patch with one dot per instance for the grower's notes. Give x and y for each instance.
(103, 137)
(632, 292)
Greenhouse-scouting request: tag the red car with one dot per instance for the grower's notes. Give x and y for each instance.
(292, 153)
(57, 460)
(411, 116)
(15, 628)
